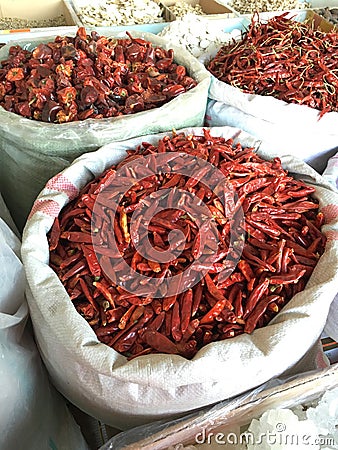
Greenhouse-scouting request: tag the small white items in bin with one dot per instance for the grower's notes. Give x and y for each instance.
(118, 12)
(245, 7)
(198, 34)
(181, 8)
(279, 423)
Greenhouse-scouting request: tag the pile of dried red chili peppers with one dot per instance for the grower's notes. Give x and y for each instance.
(285, 59)
(89, 76)
(282, 244)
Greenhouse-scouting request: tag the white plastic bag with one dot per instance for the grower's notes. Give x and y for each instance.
(287, 127)
(32, 151)
(125, 393)
(32, 414)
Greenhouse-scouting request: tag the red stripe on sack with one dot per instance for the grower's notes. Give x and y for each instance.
(330, 213)
(332, 235)
(61, 183)
(48, 207)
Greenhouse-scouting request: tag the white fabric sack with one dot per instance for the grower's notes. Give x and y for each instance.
(330, 174)
(125, 393)
(32, 414)
(288, 128)
(32, 151)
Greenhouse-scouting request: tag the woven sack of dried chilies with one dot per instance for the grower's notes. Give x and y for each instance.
(127, 356)
(63, 96)
(278, 83)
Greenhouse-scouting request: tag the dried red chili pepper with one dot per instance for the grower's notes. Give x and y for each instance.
(255, 296)
(159, 342)
(15, 74)
(186, 309)
(54, 235)
(257, 312)
(283, 245)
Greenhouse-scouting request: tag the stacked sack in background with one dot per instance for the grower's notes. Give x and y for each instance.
(280, 93)
(62, 127)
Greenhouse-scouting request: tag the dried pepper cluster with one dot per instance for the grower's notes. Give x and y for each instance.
(89, 77)
(283, 58)
(244, 287)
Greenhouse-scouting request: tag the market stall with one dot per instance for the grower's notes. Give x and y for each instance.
(171, 169)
